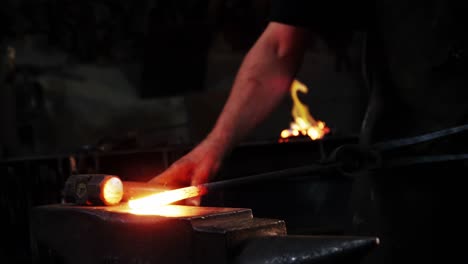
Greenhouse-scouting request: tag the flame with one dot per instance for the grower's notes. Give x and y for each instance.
(157, 200)
(303, 124)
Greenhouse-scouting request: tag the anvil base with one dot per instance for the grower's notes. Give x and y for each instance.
(174, 234)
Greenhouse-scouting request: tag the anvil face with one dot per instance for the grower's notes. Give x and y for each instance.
(173, 234)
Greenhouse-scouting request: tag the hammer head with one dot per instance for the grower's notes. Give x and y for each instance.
(93, 189)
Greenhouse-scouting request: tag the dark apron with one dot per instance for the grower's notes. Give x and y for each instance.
(419, 85)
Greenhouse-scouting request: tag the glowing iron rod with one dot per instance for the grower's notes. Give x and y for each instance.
(172, 196)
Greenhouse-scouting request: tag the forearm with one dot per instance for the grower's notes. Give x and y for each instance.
(262, 82)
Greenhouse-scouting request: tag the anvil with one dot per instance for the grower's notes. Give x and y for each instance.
(181, 234)
(173, 234)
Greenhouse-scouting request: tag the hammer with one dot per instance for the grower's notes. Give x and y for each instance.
(104, 189)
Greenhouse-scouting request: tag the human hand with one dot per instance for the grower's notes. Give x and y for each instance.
(196, 167)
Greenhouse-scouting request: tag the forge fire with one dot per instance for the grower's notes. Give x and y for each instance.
(303, 123)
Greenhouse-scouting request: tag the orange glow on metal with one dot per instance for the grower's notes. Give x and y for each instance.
(303, 124)
(164, 198)
(165, 210)
(112, 191)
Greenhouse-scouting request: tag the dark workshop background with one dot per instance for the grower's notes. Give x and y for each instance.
(126, 87)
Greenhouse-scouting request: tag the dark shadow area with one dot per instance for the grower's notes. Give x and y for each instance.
(127, 87)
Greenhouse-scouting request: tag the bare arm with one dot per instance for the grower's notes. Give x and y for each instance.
(262, 82)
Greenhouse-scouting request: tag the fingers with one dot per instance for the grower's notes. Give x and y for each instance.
(201, 176)
(196, 201)
(193, 169)
(177, 175)
(196, 180)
